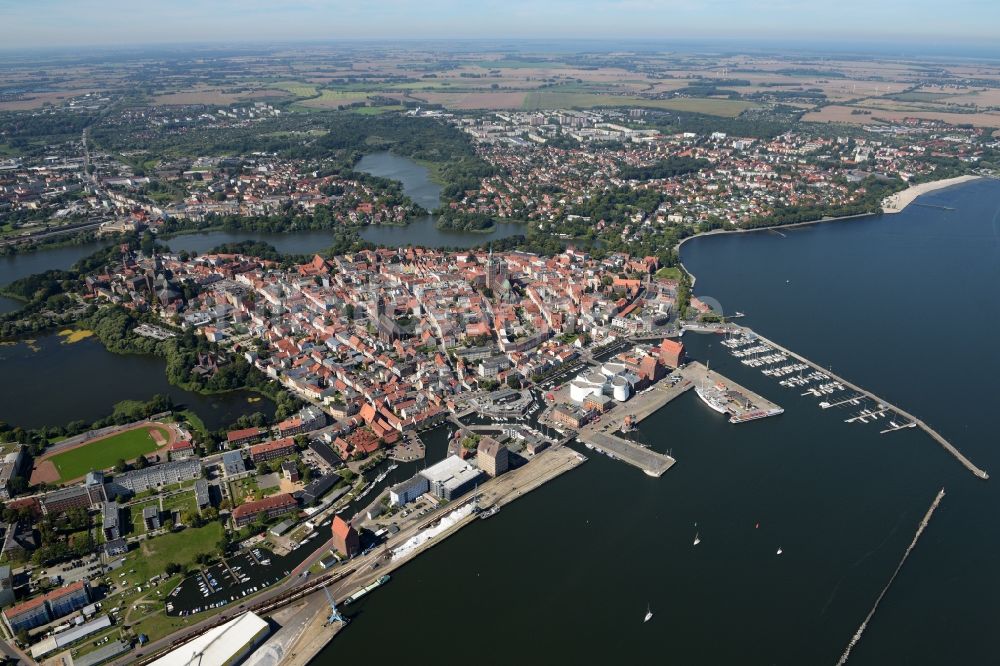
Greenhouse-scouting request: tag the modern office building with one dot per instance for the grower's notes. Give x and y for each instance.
(451, 478)
(232, 464)
(409, 490)
(109, 521)
(151, 518)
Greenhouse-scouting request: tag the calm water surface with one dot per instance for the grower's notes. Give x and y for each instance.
(905, 305)
(47, 381)
(418, 185)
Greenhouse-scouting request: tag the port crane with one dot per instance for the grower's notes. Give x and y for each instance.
(335, 615)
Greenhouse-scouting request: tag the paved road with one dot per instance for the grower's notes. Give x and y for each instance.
(543, 467)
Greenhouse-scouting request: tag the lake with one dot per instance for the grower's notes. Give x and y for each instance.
(47, 381)
(904, 305)
(414, 178)
(418, 185)
(16, 266)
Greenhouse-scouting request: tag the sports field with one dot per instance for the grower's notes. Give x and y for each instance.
(104, 453)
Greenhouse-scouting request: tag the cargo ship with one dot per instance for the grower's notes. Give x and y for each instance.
(357, 594)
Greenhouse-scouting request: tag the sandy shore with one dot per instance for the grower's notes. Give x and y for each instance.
(900, 200)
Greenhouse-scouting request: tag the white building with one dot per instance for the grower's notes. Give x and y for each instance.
(409, 490)
(225, 644)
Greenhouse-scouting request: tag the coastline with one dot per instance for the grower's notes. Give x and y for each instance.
(898, 202)
(903, 199)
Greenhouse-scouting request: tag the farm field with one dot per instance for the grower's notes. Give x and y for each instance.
(715, 107)
(332, 99)
(842, 114)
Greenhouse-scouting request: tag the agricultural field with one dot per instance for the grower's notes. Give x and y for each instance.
(843, 114)
(711, 106)
(332, 99)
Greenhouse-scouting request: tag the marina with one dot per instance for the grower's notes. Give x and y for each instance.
(739, 340)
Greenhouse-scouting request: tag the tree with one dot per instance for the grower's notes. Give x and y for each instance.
(141, 462)
(120, 466)
(147, 243)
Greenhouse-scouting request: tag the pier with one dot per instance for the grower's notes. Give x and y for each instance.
(741, 403)
(499, 491)
(300, 646)
(935, 435)
(600, 435)
(878, 600)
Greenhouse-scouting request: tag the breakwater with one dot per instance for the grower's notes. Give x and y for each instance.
(878, 600)
(935, 435)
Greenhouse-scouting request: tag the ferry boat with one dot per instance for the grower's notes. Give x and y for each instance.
(490, 512)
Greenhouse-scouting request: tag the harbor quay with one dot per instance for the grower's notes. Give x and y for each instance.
(725, 395)
(312, 635)
(600, 434)
(301, 635)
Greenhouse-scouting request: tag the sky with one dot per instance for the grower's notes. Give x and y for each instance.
(61, 23)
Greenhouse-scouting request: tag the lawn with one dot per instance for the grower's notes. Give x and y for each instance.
(135, 510)
(669, 272)
(181, 502)
(104, 453)
(159, 624)
(375, 110)
(183, 547)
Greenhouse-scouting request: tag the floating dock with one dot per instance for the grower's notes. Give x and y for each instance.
(968, 464)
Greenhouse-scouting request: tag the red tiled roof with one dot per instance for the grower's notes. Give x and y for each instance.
(235, 435)
(340, 527)
(266, 504)
(274, 445)
(31, 604)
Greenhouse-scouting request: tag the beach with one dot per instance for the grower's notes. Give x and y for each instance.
(900, 200)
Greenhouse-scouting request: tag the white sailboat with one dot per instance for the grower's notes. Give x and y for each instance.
(697, 539)
(779, 550)
(649, 614)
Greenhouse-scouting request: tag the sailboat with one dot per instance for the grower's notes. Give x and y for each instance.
(779, 550)
(649, 614)
(697, 540)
